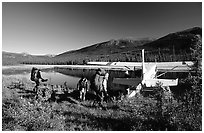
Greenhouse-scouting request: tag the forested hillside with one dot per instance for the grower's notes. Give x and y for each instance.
(172, 47)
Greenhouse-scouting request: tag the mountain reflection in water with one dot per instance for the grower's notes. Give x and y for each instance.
(58, 76)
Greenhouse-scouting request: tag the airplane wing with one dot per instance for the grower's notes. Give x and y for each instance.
(163, 82)
(117, 65)
(172, 66)
(161, 66)
(127, 81)
(122, 68)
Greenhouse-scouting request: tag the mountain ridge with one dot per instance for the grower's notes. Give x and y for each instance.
(173, 45)
(180, 39)
(112, 45)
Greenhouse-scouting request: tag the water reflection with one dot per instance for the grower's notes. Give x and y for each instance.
(54, 77)
(89, 73)
(58, 76)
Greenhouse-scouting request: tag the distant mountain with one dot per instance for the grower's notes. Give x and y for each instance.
(181, 40)
(103, 50)
(128, 50)
(108, 47)
(50, 55)
(172, 47)
(9, 58)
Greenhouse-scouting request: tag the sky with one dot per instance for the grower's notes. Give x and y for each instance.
(55, 27)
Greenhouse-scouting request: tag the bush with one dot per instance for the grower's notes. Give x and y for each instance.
(189, 113)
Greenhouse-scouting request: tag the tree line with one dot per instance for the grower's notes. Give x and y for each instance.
(161, 55)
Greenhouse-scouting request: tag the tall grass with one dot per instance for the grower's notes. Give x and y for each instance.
(139, 113)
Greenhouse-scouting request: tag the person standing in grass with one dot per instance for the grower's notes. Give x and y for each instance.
(36, 76)
(96, 84)
(82, 86)
(105, 85)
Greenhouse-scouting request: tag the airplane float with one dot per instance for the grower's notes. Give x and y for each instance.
(149, 78)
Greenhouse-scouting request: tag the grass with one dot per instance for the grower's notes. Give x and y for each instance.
(139, 113)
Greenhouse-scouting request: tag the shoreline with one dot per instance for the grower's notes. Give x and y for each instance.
(121, 66)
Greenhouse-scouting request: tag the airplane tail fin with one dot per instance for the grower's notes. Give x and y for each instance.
(148, 72)
(143, 65)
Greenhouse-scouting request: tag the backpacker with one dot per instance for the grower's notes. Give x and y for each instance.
(83, 84)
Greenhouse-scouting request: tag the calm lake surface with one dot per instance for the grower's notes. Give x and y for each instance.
(58, 76)
(54, 78)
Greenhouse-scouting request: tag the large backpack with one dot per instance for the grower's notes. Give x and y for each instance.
(33, 74)
(83, 83)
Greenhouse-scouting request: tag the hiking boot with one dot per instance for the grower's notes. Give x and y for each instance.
(44, 80)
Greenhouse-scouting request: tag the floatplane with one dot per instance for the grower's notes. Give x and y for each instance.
(149, 78)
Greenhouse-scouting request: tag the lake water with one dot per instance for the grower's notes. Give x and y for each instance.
(58, 76)
(54, 78)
